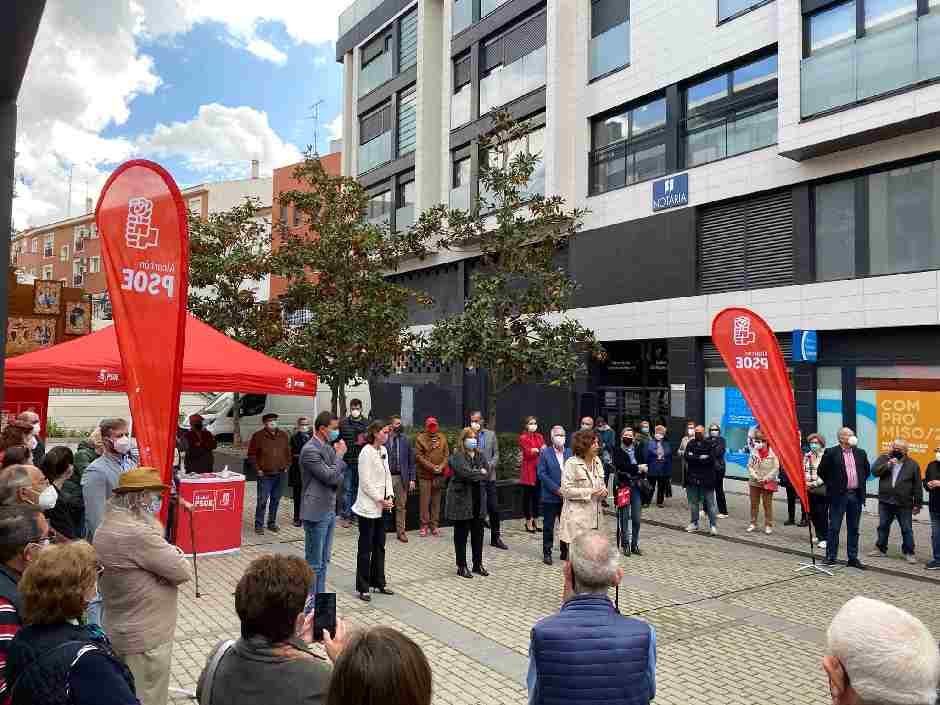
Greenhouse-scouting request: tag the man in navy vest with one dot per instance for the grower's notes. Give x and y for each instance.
(615, 658)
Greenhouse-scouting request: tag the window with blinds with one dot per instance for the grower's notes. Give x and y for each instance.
(712, 358)
(375, 123)
(407, 121)
(408, 41)
(513, 64)
(746, 244)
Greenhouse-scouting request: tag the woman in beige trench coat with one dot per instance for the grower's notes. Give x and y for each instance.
(582, 488)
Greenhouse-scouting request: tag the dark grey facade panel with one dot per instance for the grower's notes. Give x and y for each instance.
(374, 21)
(492, 23)
(387, 171)
(522, 108)
(865, 137)
(905, 345)
(387, 90)
(639, 260)
(442, 283)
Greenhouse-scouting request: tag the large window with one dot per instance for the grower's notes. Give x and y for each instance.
(533, 143)
(460, 185)
(513, 64)
(379, 208)
(408, 41)
(467, 12)
(887, 222)
(860, 49)
(731, 113)
(48, 245)
(405, 205)
(732, 8)
(407, 122)
(628, 146)
(376, 60)
(375, 138)
(610, 36)
(460, 106)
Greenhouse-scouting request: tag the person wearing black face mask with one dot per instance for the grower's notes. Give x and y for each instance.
(199, 444)
(900, 496)
(719, 448)
(628, 462)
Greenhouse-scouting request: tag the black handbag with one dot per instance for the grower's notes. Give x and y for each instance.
(646, 490)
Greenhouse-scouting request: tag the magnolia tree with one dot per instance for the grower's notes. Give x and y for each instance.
(229, 255)
(346, 319)
(513, 326)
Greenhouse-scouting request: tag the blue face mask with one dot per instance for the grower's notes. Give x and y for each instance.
(470, 443)
(333, 435)
(155, 505)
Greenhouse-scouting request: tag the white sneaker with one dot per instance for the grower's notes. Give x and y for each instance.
(701, 513)
(714, 531)
(692, 528)
(722, 516)
(822, 545)
(910, 559)
(768, 530)
(751, 528)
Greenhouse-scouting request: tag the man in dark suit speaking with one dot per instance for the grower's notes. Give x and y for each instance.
(844, 470)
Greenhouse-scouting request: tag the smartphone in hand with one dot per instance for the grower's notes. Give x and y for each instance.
(324, 615)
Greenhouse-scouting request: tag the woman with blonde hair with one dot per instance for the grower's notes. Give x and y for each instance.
(53, 659)
(466, 502)
(582, 488)
(763, 467)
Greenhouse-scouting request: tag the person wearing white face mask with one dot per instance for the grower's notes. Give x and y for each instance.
(102, 476)
(298, 440)
(34, 442)
(140, 581)
(531, 443)
(551, 462)
(844, 470)
(66, 510)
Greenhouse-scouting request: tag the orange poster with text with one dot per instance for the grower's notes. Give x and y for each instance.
(912, 416)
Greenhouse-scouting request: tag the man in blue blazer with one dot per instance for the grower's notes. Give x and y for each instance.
(550, 465)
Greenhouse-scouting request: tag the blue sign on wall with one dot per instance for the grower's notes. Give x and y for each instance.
(671, 192)
(805, 346)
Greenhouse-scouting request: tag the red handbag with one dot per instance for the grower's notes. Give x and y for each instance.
(623, 497)
(771, 485)
(448, 472)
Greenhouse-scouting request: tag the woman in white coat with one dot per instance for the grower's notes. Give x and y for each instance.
(582, 488)
(375, 497)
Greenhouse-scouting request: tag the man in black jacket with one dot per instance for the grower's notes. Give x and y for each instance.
(932, 485)
(700, 479)
(352, 429)
(899, 497)
(719, 448)
(844, 470)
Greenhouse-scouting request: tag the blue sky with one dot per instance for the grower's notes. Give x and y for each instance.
(201, 86)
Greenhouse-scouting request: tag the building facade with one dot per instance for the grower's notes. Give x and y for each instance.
(778, 154)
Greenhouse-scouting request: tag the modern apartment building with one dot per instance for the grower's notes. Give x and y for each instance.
(778, 154)
(70, 250)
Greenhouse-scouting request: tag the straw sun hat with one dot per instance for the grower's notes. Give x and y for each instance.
(140, 480)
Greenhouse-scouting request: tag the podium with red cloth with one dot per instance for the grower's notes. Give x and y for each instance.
(218, 501)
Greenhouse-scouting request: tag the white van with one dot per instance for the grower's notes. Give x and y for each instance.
(217, 414)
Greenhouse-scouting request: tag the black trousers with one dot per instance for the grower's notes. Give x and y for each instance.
(663, 487)
(370, 561)
(720, 499)
(298, 498)
(530, 501)
(819, 513)
(492, 509)
(792, 499)
(550, 513)
(473, 528)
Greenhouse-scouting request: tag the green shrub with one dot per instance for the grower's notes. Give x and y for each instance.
(510, 459)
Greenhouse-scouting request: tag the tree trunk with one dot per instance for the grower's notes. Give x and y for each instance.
(334, 401)
(342, 399)
(236, 420)
(492, 395)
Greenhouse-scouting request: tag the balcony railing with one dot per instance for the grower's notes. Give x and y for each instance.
(460, 197)
(878, 63)
(610, 50)
(355, 13)
(100, 307)
(404, 217)
(375, 73)
(375, 152)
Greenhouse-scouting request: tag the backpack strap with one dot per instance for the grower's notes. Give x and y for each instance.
(211, 668)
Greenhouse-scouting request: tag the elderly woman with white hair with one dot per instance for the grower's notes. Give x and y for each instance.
(880, 655)
(140, 581)
(550, 464)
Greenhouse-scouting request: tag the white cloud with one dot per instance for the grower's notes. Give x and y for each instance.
(221, 141)
(335, 127)
(266, 50)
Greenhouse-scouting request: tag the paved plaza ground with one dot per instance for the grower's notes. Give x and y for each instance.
(735, 624)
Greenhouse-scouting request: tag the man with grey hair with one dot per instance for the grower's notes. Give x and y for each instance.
(900, 495)
(880, 655)
(844, 470)
(614, 657)
(15, 480)
(551, 463)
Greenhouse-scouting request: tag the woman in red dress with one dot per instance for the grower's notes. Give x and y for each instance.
(531, 443)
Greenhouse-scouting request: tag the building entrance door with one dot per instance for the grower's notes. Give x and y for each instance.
(627, 406)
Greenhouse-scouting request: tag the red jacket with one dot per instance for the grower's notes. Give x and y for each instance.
(530, 444)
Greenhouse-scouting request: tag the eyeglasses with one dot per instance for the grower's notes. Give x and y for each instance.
(42, 541)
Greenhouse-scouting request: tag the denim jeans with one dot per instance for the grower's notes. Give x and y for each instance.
(269, 488)
(887, 513)
(935, 533)
(351, 486)
(93, 611)
(318, 545)
(848, 507)
(625, 514)
(551, 511)
(698, 496)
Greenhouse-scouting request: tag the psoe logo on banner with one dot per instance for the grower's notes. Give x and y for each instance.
(140, 233)
(105, 376)
(296, 383)
(204, 500)
(741, 334)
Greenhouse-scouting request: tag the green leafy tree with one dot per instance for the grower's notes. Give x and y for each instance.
(229, 251)
(346, 319)
(513, 325)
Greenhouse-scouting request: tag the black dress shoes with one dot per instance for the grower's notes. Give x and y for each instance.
(498, 543)
(547, 560)
(481, 571)
(383, 591)
(365, 597)
(635, 550)
(464, 573)
(854, 563)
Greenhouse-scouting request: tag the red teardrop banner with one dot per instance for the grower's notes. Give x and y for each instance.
(753, 358)
(144, 232)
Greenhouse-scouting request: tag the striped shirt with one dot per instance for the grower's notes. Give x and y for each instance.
(9, 625)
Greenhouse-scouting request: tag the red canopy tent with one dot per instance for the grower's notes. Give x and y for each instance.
(212, 362)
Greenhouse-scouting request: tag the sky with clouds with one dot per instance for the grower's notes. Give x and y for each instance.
(202, 86)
